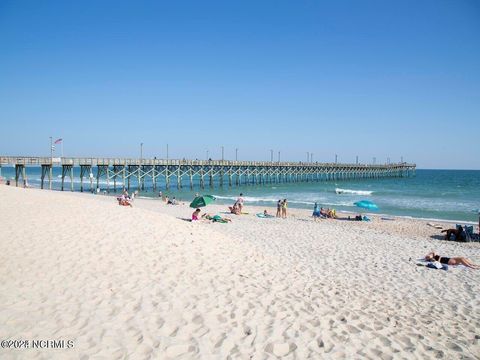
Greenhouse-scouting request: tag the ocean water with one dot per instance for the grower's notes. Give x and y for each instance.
(431, 194)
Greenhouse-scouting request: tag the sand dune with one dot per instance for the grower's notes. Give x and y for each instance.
(140, 283)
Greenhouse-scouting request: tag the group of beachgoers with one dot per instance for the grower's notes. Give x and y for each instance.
(321, 213)
(318, 212)
(461, 233)
(282, 206)
(125, 199)
(167, 200)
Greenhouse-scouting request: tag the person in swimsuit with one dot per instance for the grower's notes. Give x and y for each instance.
(195, 215)
(279, 209)
(240, 202)
(216, 218)
(284, 208)
(451, 261)
(316, 212)
(235, 209)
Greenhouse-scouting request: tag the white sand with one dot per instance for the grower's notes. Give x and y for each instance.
(139, 283)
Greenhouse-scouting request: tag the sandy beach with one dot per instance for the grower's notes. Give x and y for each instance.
(143, 283)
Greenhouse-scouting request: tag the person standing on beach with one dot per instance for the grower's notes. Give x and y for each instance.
(279, 209)
(284, 208)
(240, 201)
(316, 212)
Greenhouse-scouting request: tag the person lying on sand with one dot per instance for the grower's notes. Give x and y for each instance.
(451, 261)
(216, 218)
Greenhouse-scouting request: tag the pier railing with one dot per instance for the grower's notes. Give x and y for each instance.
(94, 161)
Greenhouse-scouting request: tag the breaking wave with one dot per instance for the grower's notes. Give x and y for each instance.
(355, 192)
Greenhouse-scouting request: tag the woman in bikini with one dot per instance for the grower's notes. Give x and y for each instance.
(284, 208)
(279, 209)
(451, 261)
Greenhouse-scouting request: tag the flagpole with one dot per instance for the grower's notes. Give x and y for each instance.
(50, 171)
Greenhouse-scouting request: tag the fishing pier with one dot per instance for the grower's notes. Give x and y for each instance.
(145, 172)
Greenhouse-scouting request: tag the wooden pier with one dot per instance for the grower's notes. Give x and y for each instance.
(206, 171)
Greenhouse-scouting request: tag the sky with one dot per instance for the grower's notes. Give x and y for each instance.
(385, 79)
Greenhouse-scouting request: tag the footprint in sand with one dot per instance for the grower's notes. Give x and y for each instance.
(160, 322)
(454, 347)
(179, 350)
(352, 329)
(221, 318)
(280, 349)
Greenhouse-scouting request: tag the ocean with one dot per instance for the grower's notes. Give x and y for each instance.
(431, 194)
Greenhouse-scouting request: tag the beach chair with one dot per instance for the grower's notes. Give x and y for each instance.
(470, 235)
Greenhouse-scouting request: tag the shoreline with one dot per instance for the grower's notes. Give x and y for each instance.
(347, 213)
(432, 207)
(413, 198)
(224, 202)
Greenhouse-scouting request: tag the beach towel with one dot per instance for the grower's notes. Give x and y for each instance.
(423, 262)
(433, 264)
(263, 216)
(436, 265)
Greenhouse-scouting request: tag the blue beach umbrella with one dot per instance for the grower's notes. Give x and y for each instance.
(366, 204)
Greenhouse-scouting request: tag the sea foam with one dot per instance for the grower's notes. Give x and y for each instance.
(355, 192)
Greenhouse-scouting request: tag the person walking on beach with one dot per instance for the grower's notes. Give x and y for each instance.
(284, 208)
(279, 209)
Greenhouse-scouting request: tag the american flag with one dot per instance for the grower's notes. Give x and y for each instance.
(58, 141)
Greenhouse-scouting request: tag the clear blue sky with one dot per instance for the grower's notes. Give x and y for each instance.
(368, 78)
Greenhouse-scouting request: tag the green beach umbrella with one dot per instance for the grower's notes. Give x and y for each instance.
(201, 201)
